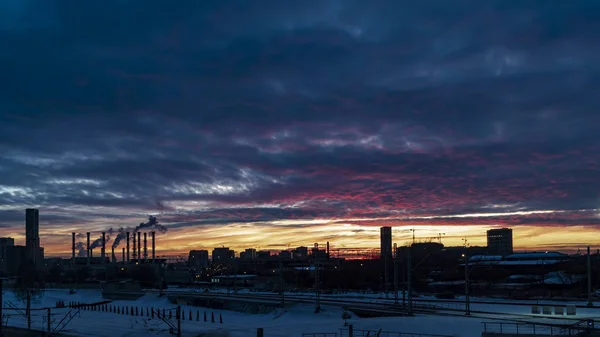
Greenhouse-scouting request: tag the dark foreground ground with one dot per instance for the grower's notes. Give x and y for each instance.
(21, 332)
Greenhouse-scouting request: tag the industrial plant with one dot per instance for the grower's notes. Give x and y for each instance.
(129, 254)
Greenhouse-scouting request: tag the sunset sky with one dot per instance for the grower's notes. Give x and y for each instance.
(275, 123)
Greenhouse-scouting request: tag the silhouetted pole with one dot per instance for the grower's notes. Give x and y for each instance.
(28, 309)
(467, 297)
(89, 251)
(153, 234)
(139, 247)
(589, 277)
(409, 279)
(134, 254)
(72, 247)
(178, 321)
(1, 305)
(103, 248)
(281, 282)
(395, 274)
(127, 233)
(404, 278)
(318, 289)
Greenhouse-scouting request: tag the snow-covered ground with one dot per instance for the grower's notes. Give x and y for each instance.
(293, 322)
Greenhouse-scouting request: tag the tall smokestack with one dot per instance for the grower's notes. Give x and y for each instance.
(113, 259)
(327, 249)
(153, 235)
(145, 247)
(127, 246)
(134, 255)
(139, 247)
(89, 251)
(103, 248)
(73, 246)
(123, 258)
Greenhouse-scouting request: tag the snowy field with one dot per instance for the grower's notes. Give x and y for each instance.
(293, 322)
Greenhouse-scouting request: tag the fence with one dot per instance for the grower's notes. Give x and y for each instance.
(68, 317)
(320, 334)
(533, 329)
(344, 332)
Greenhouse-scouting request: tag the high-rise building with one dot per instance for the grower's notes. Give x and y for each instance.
(386, 243)
(32, 235)
(198, 259)
(500, 241)
(4, 244)
(222, 255)
(248, 254)
(17, 255)
(300, 252)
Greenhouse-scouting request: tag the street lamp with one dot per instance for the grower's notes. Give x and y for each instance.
(467, 296)
(440, 237)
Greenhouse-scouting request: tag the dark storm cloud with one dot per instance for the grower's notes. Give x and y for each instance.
(215, 112)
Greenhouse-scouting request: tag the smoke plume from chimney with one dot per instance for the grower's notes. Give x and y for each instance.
(80, 247)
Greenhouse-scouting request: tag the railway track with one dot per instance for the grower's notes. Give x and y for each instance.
(430, 307)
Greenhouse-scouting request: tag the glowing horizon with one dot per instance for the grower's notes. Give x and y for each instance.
(343, 234)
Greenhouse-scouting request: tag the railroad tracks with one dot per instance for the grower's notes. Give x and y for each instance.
(423, 307)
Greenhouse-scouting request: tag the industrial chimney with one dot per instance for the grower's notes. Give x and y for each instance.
(127, 246)
(153, 234)
(103, 248)
(145, 247)
(89, 251)
(123, 258)
(328, 249)
(139, 247)
(134, 255)
(73, 247)
(113, 259)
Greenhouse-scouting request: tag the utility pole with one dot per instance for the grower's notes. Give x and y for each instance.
(395, 274)
(589, 277)
(404, 278)
(1, 305)
(28, 309)
(49, 327)
(409, 280)
(318, 289)
(467, 298)
(281, 282)
(178, 321)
